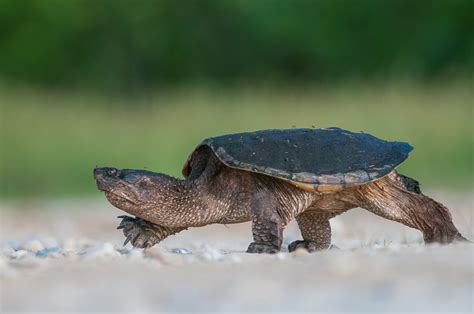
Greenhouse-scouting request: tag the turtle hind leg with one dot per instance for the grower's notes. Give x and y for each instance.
(410, 184)
(398, 198)
(315, 229)
(413, 185)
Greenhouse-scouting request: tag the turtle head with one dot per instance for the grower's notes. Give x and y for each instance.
(131, 190)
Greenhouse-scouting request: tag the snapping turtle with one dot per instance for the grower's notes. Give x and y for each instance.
(270, 177)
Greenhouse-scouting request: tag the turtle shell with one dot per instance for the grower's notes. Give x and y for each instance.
(309, 158)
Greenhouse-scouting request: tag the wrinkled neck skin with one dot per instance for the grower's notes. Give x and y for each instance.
(170, 202)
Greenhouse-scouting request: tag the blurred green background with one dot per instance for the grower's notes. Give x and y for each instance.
(139, 84)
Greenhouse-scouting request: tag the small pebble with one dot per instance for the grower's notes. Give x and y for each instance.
(19, 254)
(53, 251)
(180, 251)
(49, 242)
(33, 246)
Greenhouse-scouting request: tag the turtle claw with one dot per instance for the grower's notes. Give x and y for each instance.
(129, 237)
(148, 244)
(127, 222)
(139, 232)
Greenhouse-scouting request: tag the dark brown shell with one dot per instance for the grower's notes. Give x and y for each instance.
(316, 157)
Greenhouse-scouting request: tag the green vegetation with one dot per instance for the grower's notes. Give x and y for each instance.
(113, 44)
(51, 141)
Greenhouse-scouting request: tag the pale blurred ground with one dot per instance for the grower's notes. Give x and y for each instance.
(66, 256)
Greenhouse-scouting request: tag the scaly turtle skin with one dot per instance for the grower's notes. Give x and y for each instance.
(270, 177)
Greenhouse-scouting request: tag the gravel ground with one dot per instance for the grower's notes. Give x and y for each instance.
(66, 256)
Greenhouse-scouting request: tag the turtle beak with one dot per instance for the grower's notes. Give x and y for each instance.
(106, 178)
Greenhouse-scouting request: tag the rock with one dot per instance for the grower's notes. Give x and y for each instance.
(180, 251)
(53, 251)
(33, 246)
(20, 254)
(49, 242)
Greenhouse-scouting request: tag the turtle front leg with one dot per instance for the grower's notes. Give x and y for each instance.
(142, 233)
(315, 229)
(267, 227)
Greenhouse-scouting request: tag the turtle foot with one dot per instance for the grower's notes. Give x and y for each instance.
(139, 232)
(310, 246)
(255, 247)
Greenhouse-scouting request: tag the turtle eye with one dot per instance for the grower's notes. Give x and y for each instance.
(106, 171)
(112, 172)
(131, 178)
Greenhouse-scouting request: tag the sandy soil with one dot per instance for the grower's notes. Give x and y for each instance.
(67, 256)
